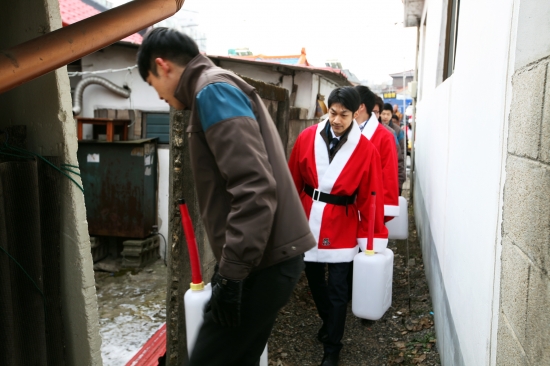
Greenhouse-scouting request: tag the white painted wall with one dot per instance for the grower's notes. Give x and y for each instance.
(532, 37)
(304, 80)
(460, 129)
(143, 96)
(164, 181)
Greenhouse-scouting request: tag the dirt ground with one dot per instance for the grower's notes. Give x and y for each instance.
(404, 336)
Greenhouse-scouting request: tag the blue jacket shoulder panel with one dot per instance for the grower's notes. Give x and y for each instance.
(218, 102)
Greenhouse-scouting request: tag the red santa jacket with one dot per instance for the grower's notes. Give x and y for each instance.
(384, 141)
(355, 169)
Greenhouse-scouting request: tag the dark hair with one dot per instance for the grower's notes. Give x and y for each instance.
(164, 43)
(346, 96)
(368, 98)
(395, 117)
(387, 107)
(380, 103)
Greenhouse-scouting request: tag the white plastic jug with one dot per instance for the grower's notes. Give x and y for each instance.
(372, 284)
(398, 227)
(195, 301)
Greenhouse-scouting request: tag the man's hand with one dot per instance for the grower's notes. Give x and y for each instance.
(225, 303)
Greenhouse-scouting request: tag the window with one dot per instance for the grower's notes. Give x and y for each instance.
(450, 38)
(158, 125)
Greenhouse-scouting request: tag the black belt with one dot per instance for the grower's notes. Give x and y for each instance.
(328, 198)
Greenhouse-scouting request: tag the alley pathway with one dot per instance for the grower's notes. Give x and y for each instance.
(404, 336)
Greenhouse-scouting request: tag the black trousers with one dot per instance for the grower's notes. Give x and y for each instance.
(331, 299)
(265, 292)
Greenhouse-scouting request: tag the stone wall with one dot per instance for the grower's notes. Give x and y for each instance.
(524, 320)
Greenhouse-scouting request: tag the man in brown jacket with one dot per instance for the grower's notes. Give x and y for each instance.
(250, 208)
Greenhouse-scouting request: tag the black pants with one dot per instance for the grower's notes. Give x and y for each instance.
(331, 299)
(265, 292)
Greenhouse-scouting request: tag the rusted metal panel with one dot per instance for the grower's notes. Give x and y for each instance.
(120, 187)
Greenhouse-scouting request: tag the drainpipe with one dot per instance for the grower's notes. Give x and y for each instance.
(51, 51)
(79, 90)
(413, 124)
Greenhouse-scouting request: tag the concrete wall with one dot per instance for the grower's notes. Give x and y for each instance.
(524, 332)
(44, 106)
(459, 159)
(143, 96)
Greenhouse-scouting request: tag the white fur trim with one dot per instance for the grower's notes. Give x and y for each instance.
(331, 174)
(391, 210)
(321, 153)
(371, 126)
(315, 220)
(379, 244)
(330, 255)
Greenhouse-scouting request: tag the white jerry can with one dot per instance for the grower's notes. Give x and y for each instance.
(194, 301)
(398, 227)
(372, 284)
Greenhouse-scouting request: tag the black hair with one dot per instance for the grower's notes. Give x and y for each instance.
(164, 43)
(395, 117)
(346, 96)
(387, 107)
(378, 100)
(368, 98)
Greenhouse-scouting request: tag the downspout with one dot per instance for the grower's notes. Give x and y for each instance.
(413, 135)
(79, 90)
(51, 51)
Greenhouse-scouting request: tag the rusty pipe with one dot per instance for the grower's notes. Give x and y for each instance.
(46, 53)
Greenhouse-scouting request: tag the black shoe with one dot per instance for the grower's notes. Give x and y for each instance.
(322, 334)
(330, 359)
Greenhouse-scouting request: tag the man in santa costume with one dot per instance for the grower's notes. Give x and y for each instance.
(336, 169)
(385, 144)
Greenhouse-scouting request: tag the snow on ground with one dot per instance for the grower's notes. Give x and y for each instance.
(132, 306)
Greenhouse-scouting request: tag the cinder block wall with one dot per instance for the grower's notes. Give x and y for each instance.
(524, 319)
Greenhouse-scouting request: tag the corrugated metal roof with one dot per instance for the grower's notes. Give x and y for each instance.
(73, 11)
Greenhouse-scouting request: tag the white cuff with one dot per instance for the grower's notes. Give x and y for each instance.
(379, 244)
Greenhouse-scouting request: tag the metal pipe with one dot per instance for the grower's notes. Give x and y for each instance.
(79, 90)
(43, 54)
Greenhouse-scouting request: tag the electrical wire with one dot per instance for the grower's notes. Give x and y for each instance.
(165, 246)
(70, 171)
(106, 71)
(30, 155)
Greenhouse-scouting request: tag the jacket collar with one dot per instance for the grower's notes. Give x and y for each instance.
(371, 126)
(185, 92)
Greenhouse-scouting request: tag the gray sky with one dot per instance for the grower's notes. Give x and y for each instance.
(366, 36)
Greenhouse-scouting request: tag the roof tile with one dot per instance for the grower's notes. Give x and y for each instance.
(73, 11)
